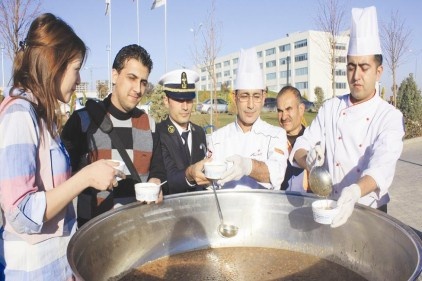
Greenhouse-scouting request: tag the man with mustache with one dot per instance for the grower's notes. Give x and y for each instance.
(291, 110)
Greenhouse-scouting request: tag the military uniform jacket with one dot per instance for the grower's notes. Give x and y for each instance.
(175, 159)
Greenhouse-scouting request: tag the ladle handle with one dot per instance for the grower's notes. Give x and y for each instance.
(218, 203)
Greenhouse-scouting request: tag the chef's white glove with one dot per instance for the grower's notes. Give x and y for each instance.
(315, 157)
(346, 204)
(242, 166)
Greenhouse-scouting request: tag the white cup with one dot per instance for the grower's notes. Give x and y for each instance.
(324, 211)
(121, 168)
(214, 169)
(147, 191)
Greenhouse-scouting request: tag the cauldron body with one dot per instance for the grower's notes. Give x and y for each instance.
(371, 243)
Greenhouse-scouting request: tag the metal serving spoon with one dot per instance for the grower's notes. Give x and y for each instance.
(320, 181)
(226, 230)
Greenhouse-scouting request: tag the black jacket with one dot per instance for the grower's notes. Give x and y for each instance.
(174, 158)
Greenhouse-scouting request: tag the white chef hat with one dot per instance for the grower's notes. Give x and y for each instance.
(179, 84)
(249, 73)
(364, 37)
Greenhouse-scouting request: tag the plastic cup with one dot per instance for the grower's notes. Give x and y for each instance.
(214, 169)
(147, 191)
(121, 168)
(324, 211)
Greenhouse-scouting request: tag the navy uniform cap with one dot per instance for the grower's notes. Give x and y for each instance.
(180, 84)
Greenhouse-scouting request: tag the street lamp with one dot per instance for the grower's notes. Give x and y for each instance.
(2, 64)
(416, 54)
(196, 54)
(288, 64)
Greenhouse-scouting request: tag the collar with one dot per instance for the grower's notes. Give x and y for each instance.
(255, 125)
(115, 112)
(179, 129)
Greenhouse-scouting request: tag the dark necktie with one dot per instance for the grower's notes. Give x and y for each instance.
(186, 145)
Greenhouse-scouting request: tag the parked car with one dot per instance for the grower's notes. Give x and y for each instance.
(145, 107)
(309, 106)
(219, 105)
(270, 105)
(79, 102)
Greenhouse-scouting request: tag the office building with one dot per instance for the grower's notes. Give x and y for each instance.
(301, 59)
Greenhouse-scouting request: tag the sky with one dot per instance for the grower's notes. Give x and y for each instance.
(240, 23)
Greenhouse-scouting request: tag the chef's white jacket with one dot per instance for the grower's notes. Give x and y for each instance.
(264, 142)
(362, 139)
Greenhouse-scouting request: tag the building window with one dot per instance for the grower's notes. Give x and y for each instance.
(271, 76)
(204, 69)
(227, 63)
(218, 65)
(270, 52)
(340, 85)
(235, 60)
(203, 87)
(301, 57)
(271, 63)
(259, 54)
(340, 72)
(301, 43)
(218, 75)
(283, 74)
(302, 85)
(341, 59)
(284, 48)
(301, 71)
(203, 78)
(283, 61)
(219, 85)
(340, 46)
(234, 71)
(227, 73)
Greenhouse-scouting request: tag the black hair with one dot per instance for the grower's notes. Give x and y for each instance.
(132, 52)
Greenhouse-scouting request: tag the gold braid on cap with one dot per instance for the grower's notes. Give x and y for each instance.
(178, 90)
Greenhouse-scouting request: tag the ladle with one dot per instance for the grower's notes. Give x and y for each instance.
(320, 181)
(225, 230)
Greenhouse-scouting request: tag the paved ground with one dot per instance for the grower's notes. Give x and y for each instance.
(406, 190)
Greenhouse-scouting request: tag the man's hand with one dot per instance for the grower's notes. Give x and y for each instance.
(346, 203)
(315, 157)
(195, 173)
(242, 166)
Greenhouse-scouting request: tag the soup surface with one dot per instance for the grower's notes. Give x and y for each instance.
(243, 263)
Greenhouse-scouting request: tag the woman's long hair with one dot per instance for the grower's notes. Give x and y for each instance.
(41, 62)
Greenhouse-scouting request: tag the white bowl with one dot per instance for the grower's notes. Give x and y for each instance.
(214, 169)
(324, 211)
(147, 191)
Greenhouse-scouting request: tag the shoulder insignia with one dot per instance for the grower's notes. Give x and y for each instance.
(171, 129)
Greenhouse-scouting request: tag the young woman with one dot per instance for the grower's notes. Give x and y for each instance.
(36, 186)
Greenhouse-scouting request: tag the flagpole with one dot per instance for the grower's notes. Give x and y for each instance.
(108, 48)
(165, 35)
(137, 19)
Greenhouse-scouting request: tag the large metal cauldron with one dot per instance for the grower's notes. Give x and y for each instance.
(373, 244)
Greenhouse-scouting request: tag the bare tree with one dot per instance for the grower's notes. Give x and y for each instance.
(395, 39)
(15, 18)
(206, 54)
(329, 19)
